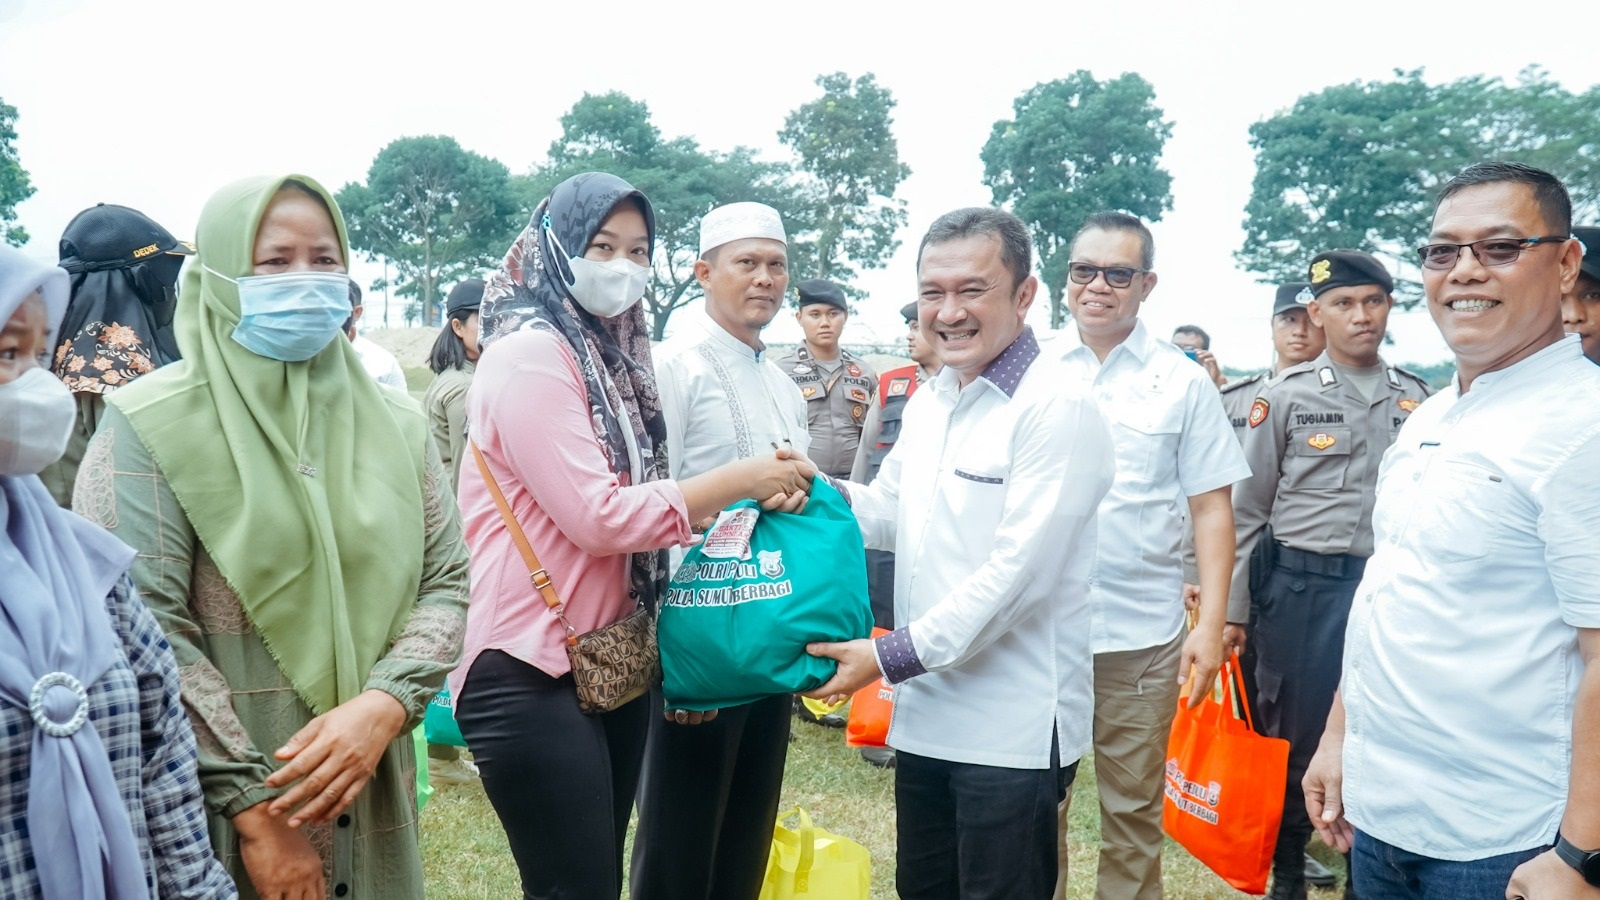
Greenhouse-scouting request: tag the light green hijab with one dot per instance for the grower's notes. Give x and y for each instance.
(304, 480)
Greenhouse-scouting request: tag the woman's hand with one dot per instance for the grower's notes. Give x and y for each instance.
(332, 757)
(281, 863)
(689, 716)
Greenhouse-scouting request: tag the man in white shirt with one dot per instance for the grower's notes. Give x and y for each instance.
(378, 362)
(709, 792)
(1173, 445)
(988, 501)
(1465, 739)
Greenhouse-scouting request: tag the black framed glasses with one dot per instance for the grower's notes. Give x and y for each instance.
(1489, 251)
(1116, 276)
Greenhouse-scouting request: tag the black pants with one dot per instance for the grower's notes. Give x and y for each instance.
(880, 587)
(709, 802)
(971, 832)
(1299, 640)
(562, 782)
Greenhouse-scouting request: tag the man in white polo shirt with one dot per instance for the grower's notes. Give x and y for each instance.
(1465, 739)
(988, 501)
(1174, 446)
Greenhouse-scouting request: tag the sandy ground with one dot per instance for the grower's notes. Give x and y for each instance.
(409, 345)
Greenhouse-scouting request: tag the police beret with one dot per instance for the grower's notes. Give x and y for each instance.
(1342, 268)
(909, 311)
(820, 290)
(1291, 295)
(1590, 235)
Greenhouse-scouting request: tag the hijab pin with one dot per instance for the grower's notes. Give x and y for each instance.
(308, 471)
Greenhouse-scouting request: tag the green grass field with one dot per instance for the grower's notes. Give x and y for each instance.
(465, 856)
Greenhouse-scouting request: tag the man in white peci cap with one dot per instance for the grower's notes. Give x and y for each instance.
(709, 792)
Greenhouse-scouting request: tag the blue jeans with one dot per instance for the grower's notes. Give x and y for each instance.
(1383, 871)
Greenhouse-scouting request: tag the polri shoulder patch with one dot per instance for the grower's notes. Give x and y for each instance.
(1258, 411)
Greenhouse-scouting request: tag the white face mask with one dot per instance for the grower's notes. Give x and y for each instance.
(36, 418)
(605, 289)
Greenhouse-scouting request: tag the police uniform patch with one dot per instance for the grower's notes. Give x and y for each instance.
(857, 411)
(802, 369)
(1321, 440)
(854, 370)
(1408, 404)
(859, 395)
(1321, 271)
(1258, 412)
(807, 392)
(898, 387)
(1326, 376)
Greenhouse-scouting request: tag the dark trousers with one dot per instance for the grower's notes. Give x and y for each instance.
(1299, 639)
(880, 587)
(561, 782)
(971, 832)
(709, 802)
(1383, 871)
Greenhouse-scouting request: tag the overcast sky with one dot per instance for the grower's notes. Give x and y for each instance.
(156, 106)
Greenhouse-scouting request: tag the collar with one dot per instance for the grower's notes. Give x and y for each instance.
(726, 341)
(1138, 342)
(1565, 350)
(1006, 370)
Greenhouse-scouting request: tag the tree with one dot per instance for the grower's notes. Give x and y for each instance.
(438, 213)
(14, 184)
(613, 133)
(1358, 165)
(1077, 146)
(850, 166)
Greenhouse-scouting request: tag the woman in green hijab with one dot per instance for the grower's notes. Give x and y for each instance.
(315, 603)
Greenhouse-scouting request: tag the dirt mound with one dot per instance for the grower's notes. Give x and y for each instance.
(409, 345)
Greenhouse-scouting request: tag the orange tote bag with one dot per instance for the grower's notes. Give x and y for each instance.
(1224, 786)
(871, 708)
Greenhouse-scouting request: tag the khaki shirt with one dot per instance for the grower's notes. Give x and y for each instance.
(1314, 443)
(1237, 397)
(836, 405)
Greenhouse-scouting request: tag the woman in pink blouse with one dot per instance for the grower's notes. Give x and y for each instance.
(565, 410)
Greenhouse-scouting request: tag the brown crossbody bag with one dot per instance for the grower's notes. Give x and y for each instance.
(611, 665)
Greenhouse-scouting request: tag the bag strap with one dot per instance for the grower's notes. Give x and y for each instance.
(1241, 700)
(537, 576)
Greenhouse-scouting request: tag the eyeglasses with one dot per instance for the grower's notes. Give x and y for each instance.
(1116, 276)
(1490, 251)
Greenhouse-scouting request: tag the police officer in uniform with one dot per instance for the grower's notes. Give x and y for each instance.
(1295, 340)
(837, 386)
(838, 389)
(1314, 437)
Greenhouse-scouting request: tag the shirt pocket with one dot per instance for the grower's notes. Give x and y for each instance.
(1463, 506)
(1146, 432)
(1316, 459)
(978, 494)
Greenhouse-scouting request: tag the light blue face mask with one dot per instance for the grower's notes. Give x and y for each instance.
(291, 316)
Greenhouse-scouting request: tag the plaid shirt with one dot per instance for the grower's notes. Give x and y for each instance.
(135, 708)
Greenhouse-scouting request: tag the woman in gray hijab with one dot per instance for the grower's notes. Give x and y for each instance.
(99, 798)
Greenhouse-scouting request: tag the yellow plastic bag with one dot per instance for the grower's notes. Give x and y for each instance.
(814, 862)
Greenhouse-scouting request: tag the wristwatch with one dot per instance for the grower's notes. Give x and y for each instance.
(1587, 862)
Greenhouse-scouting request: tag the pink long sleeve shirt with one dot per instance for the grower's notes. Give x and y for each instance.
(528, 410)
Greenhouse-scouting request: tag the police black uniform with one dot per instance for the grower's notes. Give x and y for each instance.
(837, 400)
(1314, 442)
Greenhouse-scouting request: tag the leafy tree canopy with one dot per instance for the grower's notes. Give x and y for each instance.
(1358, 165)
(1074, 147)
(14, 184)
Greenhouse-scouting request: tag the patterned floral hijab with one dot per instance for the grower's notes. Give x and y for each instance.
(118, 325)
(529, 291)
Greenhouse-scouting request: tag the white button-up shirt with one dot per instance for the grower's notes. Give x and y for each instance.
(724, 401)
(1173, 441)
(988, 501)
(1461, 657)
